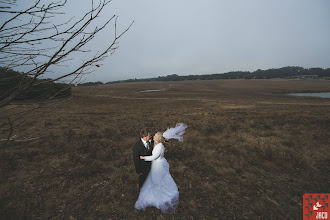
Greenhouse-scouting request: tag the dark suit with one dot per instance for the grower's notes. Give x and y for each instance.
(142, 167)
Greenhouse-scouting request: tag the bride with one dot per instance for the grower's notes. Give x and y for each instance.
(159, 189)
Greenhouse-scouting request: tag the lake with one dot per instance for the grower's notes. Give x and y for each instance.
(156, 90)
(316, 94)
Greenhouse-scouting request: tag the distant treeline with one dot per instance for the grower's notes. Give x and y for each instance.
(285, 72)
(11, 80)
(90, 83)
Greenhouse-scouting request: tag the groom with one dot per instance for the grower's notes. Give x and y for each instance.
(143, 147)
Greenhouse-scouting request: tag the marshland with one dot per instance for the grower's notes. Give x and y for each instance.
(250, 151)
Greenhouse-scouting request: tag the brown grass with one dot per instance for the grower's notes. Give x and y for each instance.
(250, 152)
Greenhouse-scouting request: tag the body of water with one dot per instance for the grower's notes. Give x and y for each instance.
(156, 90)
(316, 94)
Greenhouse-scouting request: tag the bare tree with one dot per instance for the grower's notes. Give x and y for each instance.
(30, 39)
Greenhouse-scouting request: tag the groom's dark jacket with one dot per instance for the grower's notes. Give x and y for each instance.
(139, 149)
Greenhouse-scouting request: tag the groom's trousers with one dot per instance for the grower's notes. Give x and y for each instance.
(142, 178)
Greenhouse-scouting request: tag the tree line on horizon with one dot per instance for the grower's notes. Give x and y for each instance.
(284, 72)
(43, 88)
(10, 78)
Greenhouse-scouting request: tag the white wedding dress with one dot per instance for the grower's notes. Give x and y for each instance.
(159, 189)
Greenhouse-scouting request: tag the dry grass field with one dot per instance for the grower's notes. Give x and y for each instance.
(249, 152)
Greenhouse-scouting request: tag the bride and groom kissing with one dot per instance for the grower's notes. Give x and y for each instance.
(157, 187)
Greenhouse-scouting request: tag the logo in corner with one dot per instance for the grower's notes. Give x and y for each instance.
(316, 206)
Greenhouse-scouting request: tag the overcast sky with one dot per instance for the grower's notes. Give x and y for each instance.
(212, 36)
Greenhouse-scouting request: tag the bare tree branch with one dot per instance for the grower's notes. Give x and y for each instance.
(31, 39)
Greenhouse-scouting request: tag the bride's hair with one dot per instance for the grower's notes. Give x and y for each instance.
(160, 137)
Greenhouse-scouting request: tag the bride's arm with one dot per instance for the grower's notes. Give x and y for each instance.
(155, 154)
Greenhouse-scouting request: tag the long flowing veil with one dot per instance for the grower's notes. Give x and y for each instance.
(175, 133)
